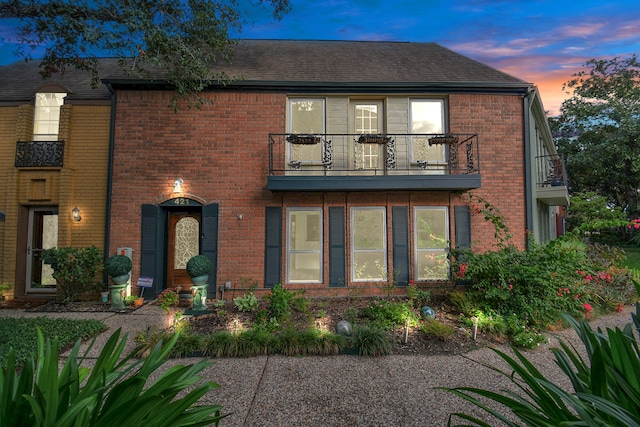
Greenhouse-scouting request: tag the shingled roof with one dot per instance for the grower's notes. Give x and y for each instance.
(296, 63)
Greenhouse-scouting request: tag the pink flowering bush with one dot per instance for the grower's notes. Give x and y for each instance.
(544, 282)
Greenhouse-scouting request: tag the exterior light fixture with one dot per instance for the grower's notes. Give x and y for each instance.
(75, 214)
(177, 185)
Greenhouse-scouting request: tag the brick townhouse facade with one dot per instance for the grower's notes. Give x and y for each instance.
(319, 168)
(333, 167)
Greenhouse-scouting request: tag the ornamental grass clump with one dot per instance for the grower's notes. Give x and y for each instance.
(371, 341)
(605, 387)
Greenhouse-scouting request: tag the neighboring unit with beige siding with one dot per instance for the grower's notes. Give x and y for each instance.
(81, 180)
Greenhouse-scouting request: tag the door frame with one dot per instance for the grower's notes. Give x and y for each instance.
(154, 240)
(29, 249)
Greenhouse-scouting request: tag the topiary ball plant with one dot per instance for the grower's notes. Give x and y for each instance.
(199, 265)
(118, 265)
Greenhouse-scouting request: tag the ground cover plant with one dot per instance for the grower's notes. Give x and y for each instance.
(117, 390)
(20, 334)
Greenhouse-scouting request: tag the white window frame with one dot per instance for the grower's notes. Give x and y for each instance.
(318, 251)
(436, 250)
(47, 113)
(438, 130)
(290, 102)
(385, 274)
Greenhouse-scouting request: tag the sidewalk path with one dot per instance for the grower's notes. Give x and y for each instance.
(340, 390)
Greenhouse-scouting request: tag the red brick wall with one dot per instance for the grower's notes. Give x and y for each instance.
(498, 121)
(221, 153)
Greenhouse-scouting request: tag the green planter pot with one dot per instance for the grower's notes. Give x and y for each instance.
(117, 296)
(120, 280)
(200, 280)
(199, 297)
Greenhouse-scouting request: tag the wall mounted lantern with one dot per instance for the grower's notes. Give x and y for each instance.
(75, 214)
(177, 185)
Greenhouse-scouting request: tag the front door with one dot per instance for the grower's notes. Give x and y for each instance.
(42, 234)
(183, 243)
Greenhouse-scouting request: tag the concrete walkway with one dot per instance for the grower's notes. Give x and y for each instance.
(339, 390)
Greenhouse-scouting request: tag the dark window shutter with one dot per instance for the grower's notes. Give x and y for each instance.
(337, 256)
(273, 246)
(400, 224)
(463, 226)
(152, 248)
(209, 244)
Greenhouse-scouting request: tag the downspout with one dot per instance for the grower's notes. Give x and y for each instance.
(107, 226)
(528, 191)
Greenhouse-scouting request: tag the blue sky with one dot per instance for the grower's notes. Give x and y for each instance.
(543, 42)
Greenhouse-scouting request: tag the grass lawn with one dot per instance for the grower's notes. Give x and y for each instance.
(20, 334)
(633, 258)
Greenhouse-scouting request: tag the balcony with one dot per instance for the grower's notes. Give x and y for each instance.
(552, 185)
(37, 154)
(354, 162)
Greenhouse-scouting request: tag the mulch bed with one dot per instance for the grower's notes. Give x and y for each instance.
(325, 313)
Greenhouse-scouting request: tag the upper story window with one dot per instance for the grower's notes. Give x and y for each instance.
(427, 117)
(306, 116)
(46, 120)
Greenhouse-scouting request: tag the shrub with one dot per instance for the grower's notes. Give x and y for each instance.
(246, 303)
(371, 341)
(116, 391)
(117, 265)
(199, 265)
(606, 389)
(75, 270)
(436, 329)
(540, 283)
(389, 313)
(418, 297)
(281, 301)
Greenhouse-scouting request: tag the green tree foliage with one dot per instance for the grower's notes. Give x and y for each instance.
(592, 212)
(181, 38)
(599, 130)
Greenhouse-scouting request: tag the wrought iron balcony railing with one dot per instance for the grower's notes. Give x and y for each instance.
(39, 154)
(551, 171)
(358, 155)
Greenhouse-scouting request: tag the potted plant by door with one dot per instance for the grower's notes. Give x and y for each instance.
(198, 268)
(118, 267)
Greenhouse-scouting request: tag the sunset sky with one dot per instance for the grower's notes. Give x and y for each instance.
(542, 42)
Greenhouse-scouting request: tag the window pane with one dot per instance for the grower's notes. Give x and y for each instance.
(307, 115)
(431, 227)
(304, 245)
(46, 121)
(367, 118)
(369, 266)
(368, 244)
(427, 117)
(368, 229)
(304, 267)
(304, 230)
(432, 265)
